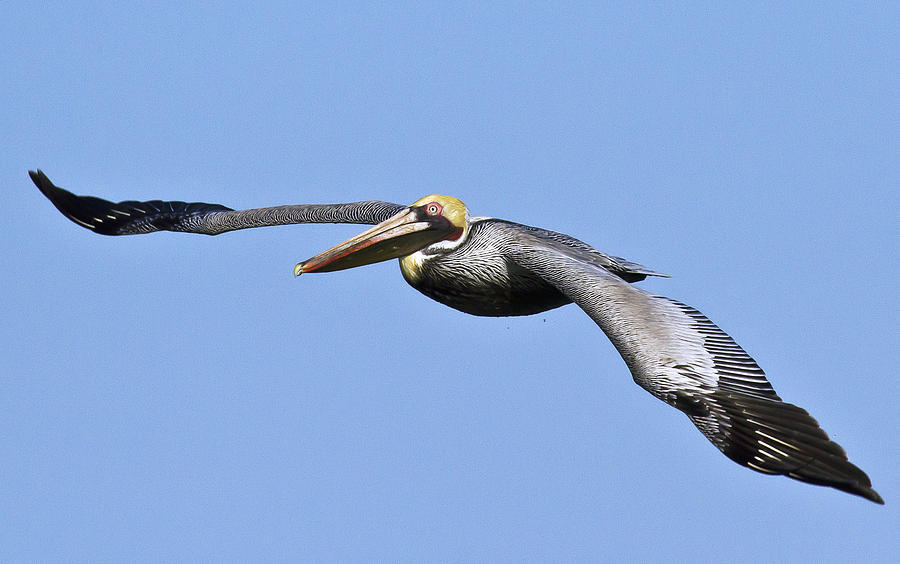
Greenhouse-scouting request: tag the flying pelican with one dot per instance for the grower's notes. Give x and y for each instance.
(492, 267)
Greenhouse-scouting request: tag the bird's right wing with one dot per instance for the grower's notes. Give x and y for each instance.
(680, 356)
(132, 217)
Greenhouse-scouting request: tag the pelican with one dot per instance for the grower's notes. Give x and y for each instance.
(493, 267)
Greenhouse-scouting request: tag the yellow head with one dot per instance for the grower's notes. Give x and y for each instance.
(448, 207)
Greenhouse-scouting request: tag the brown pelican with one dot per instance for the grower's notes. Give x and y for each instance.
(492, 267)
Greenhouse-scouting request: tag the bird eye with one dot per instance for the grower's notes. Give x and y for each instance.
(433, 208)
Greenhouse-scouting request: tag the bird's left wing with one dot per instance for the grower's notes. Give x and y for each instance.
(680, 356)
(133, 217)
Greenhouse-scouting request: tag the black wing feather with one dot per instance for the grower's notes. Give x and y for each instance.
(124, 218)
(776, 437)
(131, 217)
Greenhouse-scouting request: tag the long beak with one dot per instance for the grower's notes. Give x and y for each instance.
(403, 234)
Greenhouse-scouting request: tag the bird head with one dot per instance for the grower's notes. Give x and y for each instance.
(434, 223)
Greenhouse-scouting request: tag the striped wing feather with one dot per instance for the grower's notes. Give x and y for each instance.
(680, 356)
(133, 217)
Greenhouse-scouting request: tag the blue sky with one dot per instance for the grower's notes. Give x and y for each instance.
(181, 397)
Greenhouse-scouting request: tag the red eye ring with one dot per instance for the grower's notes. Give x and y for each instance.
(434, 208)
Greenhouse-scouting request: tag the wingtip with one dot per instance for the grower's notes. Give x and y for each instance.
(40, 180)
(869, 494)
(861, 487)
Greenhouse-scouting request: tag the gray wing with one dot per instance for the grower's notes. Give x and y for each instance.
(680, 356)
(132, 217)
(623, 268)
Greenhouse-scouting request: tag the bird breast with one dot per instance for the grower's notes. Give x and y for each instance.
(479, 281)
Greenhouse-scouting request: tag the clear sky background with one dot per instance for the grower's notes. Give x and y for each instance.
(183, 397)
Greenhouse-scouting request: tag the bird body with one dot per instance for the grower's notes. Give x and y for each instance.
(478, 279)
(492, 267)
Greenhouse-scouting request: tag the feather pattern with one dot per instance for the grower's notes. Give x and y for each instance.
(677, 354)
(133, 217)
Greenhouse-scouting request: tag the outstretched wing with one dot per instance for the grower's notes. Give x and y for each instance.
(132, 217)
(680, 356)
